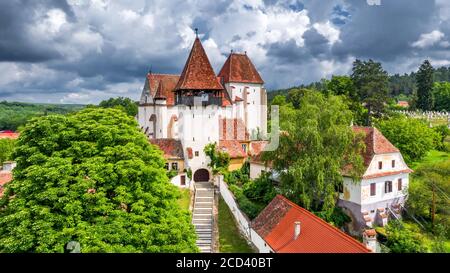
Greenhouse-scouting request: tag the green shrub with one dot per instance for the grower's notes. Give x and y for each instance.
(248, 207)
(260, 189)
(401, 239)
(338, 218)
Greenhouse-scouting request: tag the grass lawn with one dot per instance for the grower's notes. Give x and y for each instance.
(185, 199)
(433, 156)
(231, 241)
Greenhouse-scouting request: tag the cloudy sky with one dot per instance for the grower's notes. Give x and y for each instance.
(83, 51)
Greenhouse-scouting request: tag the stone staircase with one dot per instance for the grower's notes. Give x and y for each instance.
(202, 217)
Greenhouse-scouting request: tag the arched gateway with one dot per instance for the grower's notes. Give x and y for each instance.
(201, 175)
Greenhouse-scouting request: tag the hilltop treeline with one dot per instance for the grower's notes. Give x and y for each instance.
(16, 114)
(400, 86)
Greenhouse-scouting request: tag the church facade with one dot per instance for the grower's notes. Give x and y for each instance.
(183, 113)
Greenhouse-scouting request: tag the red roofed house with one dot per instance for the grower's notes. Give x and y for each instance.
(285, 227)
(6, 174)
(173, 153)
(382, 190)
(9, 135)
(199, 107)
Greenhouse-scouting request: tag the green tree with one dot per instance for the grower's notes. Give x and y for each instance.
(124, 104)
(411, 136)
(441, 94)
(371, 83)
(403, 240)
(443, 132)
(6, 149)
(316, 144)
(343, 86)
(425, 180)
(219, 160)
(424, 79)
(93, 178)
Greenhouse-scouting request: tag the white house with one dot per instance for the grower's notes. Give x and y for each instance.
(383, 188)
(198, 107)
(380, 193)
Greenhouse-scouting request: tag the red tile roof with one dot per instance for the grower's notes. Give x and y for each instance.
(232, 147)
(375, 143)
(9, 135)
(275, 224)
(5, 177)
(198, 72)
(239, 68)
(256, 149)
(166, 90)
(172, 148)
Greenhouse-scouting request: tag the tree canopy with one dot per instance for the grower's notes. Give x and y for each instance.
(6, 149)
(13, 115)
(315, 145)
(413, 137)
(124, 104)
(93, 178)
(371, 83)
(424, 80)
(441, 94)
(219, 160)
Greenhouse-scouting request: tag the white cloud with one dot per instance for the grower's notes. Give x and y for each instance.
(328, 31)
(428, 39)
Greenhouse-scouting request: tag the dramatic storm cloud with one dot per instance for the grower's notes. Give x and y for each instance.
(83, 51)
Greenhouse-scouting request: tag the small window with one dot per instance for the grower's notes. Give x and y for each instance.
(393, 163)
(175, 166)
(340, 188)
(244, 147)
(196, 153)
(380, 165)
(388, 186)
(167, 166)
(373, 189)
(372, 211)
(193, 139)
(400, 186)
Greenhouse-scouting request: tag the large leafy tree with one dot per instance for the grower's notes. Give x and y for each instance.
(412, 136)
(344, 86)
(371, 83)
(124, 104)
(441, 94)
(424, 79)
(93, 178)
(315, 145)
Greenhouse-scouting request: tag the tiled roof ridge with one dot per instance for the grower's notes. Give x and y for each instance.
(324, 223)
(269, 210)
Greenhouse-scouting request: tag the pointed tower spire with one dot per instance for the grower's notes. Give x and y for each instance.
(198, 73)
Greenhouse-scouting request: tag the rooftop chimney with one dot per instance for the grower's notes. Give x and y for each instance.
(297, 228)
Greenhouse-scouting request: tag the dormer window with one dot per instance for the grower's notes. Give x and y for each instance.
(393, 163)
(380, 165)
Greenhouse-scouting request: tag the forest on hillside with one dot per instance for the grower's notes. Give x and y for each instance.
(16, 114)
(401, 87)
